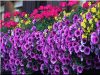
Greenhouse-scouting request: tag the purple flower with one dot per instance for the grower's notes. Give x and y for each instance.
(83, 41)
(79, 69)
(88, 16)
(57, 68)
(42, 67)
(97, 51)
(94, 39)
(81, 47)
(87, 50)
(71, 49)
(65, 70)
(75, 18)
(33, 28)
(67, 22)
(26, 46)
(79, 54)
(7, 67)
(98, 31)
(88, 62)
(53, 60)
(35, 68)
(76, 49)
(17, 62)
(22, 71)
(34, 21)
(77, 33)
(98, 24)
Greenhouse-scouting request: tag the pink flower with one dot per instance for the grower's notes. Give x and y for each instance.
(7, 15)
(71, 3)
(1, 22)
(35, 11)
(23, 14)
(41, 8)
(63, 4)
(48, 7)
(38, 16)
(86, 5)
(10, 23)
(46, 14)
(16, 13)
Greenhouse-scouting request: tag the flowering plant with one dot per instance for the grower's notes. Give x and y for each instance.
(71, 46)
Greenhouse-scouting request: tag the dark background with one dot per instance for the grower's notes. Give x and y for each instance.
(89, 72)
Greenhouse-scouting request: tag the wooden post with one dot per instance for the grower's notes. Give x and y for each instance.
(9, 6)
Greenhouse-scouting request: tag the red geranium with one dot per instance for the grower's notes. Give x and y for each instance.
(10, 23)
(86, 5)
(16, 13)
(71, 3)
(7, 15)
(63, 4)
(41, 8)
(23, 14)
(1, 23)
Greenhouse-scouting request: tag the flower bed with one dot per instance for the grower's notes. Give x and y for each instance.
(61, 42)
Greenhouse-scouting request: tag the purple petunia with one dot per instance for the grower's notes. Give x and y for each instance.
(88, 16)
(98, 24)
(79, 69)
(65, 70)
(87, 50)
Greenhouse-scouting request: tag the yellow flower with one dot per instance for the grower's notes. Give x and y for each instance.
(64, 12)
(93, 16)
(98, 14)
(85, 20)
(83, 24)
(56, 18)
(98, 5)
(27, 22)
(19, 25)
(21, 21)
(89, 3)
(95, 19)
(89, 10)
(84, 15)
(80, 13)
(91, 21)
(84, 36)
(91, 26)
(50, 27)
(93, 9)
(67, 14)
(26, 15)
(88, 29)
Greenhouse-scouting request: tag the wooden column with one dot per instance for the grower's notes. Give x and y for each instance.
(9, 6)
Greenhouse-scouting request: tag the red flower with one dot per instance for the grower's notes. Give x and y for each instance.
(48, 7)
(16, 13)
(71, 3)
(38, 16)
(10, 23)
(7, 15)
(35, 11)
(86, 5)
(41, 8)
(1, 22)
(23, 14)
(63, 4)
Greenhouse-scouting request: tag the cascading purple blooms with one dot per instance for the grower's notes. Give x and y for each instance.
(60, 51)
